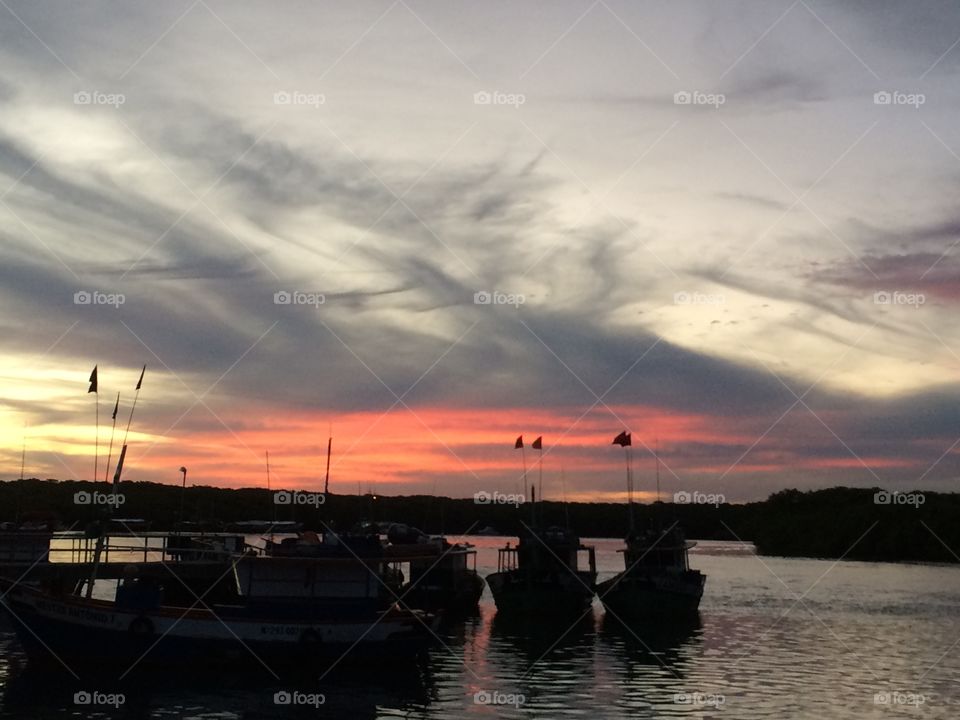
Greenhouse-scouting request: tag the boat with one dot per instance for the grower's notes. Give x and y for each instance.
(301, 611)
(137, 626)
(657, 579)
(541, 575)
(421, 571)
(442, 575)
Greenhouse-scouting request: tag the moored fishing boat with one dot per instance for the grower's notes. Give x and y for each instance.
(139, 629)
(657, 579)
(541, 575)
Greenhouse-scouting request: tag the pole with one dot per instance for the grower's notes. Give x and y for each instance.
(274, 522)
(183, 491)
(106, 470)
(523, 457)
(657, 455)
(96, 442)
(540, 481)
(626, 457)
(326, 482)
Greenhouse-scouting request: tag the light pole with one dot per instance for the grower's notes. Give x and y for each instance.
(183, 490)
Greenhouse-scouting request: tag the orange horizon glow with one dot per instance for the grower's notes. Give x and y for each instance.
(435, 450)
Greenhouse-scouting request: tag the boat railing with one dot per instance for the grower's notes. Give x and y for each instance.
(146, 547)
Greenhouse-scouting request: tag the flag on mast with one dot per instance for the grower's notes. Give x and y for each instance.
(623, 439)
(116, 407)
(538, 443)
(519, 443)
(93, 381)
(140, 381)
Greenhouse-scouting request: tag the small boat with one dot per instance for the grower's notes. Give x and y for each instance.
(541, 575)
(657, 579)
(442, 575)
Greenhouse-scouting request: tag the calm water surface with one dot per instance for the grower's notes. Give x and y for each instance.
(777, 638)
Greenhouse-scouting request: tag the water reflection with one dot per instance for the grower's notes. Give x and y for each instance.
(44, 692)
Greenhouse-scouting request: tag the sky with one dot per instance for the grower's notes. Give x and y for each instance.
(427, 228)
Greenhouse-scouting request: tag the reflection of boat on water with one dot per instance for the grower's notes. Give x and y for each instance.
(541, 576)
(657, 579)
(353, 692)
(653, 645)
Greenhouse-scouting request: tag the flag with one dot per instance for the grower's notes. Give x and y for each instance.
(93, 381)
(538, 443)
(623, 439)
(140, 381)
(116, 407)
(519, 443)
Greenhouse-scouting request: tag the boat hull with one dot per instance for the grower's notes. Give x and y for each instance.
(70, 628)
(651, 595)
(564, 595)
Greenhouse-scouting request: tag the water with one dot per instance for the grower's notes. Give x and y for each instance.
(863, 641)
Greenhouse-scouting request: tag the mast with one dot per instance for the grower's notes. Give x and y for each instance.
(326, 482)
(656, 454)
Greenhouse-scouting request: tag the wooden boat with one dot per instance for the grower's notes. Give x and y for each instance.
(137, 627)
(542, 576)
(657, 579)
(304, 611)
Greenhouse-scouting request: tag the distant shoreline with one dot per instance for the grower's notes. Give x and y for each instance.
(851, 523)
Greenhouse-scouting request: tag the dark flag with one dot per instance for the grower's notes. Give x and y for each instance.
(519, 443)
(93, 381)
(623, 439)
(140, 381)
(116, 407)
(538, 443)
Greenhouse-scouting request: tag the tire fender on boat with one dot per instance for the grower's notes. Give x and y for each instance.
(141, 626)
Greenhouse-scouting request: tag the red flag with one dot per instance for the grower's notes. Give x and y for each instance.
(623, 439)
(93, 381)
(538, 443)
(116, 407)
(519, 443)
(140, 381)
